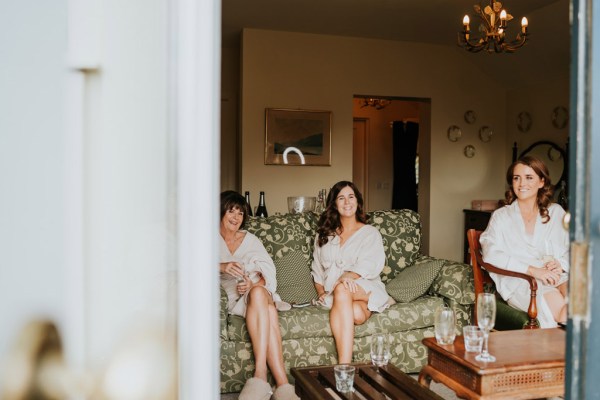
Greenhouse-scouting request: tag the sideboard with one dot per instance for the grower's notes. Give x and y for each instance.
(474, 219)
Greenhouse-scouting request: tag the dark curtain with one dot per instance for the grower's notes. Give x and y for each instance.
(405, 137)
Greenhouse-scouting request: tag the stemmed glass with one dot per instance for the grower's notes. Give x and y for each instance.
(486, 317)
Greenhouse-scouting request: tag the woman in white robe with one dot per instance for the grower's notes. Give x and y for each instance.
(527, 236)
(348, 259)
(248, 277)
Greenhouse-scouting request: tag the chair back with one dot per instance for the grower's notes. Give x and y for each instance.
(480, 275)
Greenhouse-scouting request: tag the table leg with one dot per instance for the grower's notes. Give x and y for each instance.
(425, 377)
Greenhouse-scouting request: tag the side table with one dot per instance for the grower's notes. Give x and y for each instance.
(529, 364)
(370, 383)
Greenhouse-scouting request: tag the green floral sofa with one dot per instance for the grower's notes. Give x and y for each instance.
(306, 335)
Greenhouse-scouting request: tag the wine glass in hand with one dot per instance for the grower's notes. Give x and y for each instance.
(486, 317)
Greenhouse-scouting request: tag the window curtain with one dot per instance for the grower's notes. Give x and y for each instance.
(405, 190)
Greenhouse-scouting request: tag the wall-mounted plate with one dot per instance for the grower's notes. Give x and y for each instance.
(454, 133)
(469, 151)
(560, 117)
(470, 117)
(524, 121)
(485, 133)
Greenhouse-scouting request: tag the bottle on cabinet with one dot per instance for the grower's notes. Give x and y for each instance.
(247, 195)
(261, 210)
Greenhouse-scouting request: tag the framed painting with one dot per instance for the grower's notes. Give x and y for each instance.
(297, 137)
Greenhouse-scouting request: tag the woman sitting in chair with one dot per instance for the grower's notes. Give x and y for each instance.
(527, 236)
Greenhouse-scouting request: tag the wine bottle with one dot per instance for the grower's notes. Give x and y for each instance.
(261, 210)
(247, 195)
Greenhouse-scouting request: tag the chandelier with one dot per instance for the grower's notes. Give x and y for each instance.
(379, 104)
(492, 35)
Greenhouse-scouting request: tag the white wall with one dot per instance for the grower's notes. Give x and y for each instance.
(126, 194)
(32, 96)
(293, 70)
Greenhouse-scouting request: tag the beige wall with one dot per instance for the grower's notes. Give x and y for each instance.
(292, 70)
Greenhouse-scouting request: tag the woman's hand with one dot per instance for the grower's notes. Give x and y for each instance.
(244, 285)
(232, 268)
(545, 275)
(553, 266)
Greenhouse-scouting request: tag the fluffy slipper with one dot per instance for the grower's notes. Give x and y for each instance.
(256, 389)
(285, 392)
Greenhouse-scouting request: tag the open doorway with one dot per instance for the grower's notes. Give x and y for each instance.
(376, 120)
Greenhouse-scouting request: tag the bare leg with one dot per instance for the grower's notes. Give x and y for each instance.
(274, 352)
(345, 312)
(257, 321)
(557, 304)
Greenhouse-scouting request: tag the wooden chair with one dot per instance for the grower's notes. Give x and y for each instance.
(507, 317)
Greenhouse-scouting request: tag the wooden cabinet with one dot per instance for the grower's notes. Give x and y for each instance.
(474, 219)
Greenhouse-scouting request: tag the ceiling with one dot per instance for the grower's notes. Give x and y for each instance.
(545, 56)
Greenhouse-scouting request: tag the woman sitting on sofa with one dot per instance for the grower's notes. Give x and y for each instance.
(248, 277)
(348, 259)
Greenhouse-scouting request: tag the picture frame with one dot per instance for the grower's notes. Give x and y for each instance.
(297, 137)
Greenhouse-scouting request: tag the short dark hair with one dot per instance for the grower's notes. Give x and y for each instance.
(231, 200)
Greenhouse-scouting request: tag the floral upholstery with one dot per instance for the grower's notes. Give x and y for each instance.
(306, 334)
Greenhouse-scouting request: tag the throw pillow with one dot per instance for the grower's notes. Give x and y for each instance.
(412, 282)
(295, 284)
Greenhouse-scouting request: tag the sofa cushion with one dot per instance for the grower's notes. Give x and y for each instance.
(281, 234)
(401, 233)
(294, 280)
(313, 321)
(412, 282)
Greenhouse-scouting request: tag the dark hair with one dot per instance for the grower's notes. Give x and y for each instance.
(544, 194)
(231, 200)
(330, 222)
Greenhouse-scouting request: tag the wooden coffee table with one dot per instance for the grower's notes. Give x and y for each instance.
(529, 364)
(318, 383)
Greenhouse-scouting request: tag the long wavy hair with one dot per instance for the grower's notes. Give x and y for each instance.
(330, 222)
(544, 194)
(231, 200)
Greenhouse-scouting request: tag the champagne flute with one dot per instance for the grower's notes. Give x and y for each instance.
(240, 279)
(486, 317)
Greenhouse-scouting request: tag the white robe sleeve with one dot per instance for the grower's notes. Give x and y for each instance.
(256, 259)
(317, 270)
(371, 255)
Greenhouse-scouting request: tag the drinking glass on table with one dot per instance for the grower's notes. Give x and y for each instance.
(486, 318)
(380, 349)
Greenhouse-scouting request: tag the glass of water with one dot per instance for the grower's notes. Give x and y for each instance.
(344, 378)
(380, 349)
(486, 318)
(445, 325)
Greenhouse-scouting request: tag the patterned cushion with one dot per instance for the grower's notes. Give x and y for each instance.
(294, 280)
(401, 233)
(281, 234)
(412, 282)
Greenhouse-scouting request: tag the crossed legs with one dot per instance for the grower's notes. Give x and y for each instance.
(348, 309)
(263, 327)
(557, 303)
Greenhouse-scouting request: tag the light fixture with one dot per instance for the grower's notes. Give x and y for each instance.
(379, 104)
(492, 31)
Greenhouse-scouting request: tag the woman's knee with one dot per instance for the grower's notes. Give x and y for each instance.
(258, 294)
(340, 292)
(361, 312)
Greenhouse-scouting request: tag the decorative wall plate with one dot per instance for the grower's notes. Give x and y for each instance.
(454, 133)
(485, 133)
(469, 151)
(560, 117)
(524, 121)
(470, 117)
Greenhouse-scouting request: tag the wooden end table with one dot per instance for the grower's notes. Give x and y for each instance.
(529, 364)
(373, 383)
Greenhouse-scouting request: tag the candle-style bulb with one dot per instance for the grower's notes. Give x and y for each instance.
(503, 15)
(466, 20)
(524, 24)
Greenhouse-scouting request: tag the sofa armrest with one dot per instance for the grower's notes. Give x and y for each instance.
(223, 315)
(455, 282)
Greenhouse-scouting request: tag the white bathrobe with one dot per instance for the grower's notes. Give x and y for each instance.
(253, 256)
(363, 254)
(505, 244)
